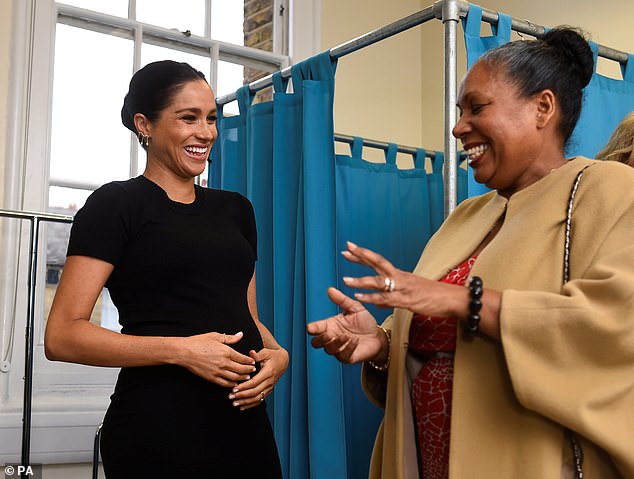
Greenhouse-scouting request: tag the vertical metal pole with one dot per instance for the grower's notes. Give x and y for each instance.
(450, 19)
(28, 346)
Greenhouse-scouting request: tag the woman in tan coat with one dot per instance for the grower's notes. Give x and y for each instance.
(489, 367)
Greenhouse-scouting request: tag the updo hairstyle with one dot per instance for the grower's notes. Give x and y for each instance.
(153, 87)
(560, 61)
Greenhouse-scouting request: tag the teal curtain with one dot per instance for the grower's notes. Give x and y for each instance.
(308, 202)
(437, 187)
(388, 210)
(606, 102)
(280, 154)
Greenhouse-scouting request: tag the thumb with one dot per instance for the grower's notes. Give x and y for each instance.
(261, 355)
(234, 338)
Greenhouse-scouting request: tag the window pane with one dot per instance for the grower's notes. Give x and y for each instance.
(230, 78)
(118, 8)
(66, 198)
(227, 21)
(182, 15)
(67, 201)
(88, 142)
(152, 53)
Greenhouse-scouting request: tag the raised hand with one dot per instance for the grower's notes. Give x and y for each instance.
(352, 336)
(400, 289)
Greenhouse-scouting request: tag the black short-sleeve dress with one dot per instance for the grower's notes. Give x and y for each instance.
(179, 270)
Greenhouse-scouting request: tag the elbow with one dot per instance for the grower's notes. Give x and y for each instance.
(51, 349)
(53, 344)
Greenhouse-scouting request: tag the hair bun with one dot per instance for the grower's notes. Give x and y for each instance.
(127, 117)
(573, 45)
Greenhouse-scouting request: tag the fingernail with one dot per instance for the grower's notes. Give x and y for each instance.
(248, 377)
(235, 390)
(254, 369)
(239, 333)
(232, 396)
(359, 295)
(236, 404)
(347, 279)
(351, 244)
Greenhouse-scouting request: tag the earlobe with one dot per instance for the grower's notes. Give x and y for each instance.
(546, 107)
(142, 124)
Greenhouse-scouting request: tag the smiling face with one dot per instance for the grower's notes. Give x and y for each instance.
(508, 139)
(182, 135)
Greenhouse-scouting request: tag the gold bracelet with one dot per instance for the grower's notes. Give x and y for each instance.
(386, 364)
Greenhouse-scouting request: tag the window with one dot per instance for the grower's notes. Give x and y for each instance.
(76, 72)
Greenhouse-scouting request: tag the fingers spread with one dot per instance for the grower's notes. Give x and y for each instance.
(369, 258)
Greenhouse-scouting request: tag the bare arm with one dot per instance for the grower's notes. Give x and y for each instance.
(267, 338)
(71, 337)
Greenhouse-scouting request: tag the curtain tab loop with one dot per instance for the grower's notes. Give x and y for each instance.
(419, 158)
(356, 148)
(280, 84)
(627, 70)
(390, 154)
(244, 97)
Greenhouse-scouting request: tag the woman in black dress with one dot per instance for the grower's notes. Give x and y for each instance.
(178, 260)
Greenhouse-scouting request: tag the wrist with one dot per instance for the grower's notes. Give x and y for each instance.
(476, 289)
(175, 351)
(382, 360)
(283, 354)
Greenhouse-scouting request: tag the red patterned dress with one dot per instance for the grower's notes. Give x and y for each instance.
(434, 340)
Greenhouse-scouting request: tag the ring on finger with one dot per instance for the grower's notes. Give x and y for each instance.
(390, 285)
(224, 338)
(261, 396)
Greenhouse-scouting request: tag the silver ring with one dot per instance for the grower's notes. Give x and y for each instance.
(261, 396)
(390, 285)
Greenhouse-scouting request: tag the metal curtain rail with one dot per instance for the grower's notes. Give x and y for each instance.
(347, 47)
(415, 19)
(529, 28)
(450, 12)
(409, 150)
(34, 219)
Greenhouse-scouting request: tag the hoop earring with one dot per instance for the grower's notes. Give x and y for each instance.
(144, 139)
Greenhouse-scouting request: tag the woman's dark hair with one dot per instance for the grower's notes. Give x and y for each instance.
(153, 87)
(560, 61)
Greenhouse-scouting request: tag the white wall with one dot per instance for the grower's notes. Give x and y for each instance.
(377, 92)
(394, 90)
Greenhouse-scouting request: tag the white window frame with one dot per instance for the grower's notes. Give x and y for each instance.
(70, 400)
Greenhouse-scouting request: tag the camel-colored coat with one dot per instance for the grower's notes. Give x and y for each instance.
(566, 356)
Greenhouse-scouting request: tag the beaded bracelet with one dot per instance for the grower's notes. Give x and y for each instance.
(386, 364)
(475, 304)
